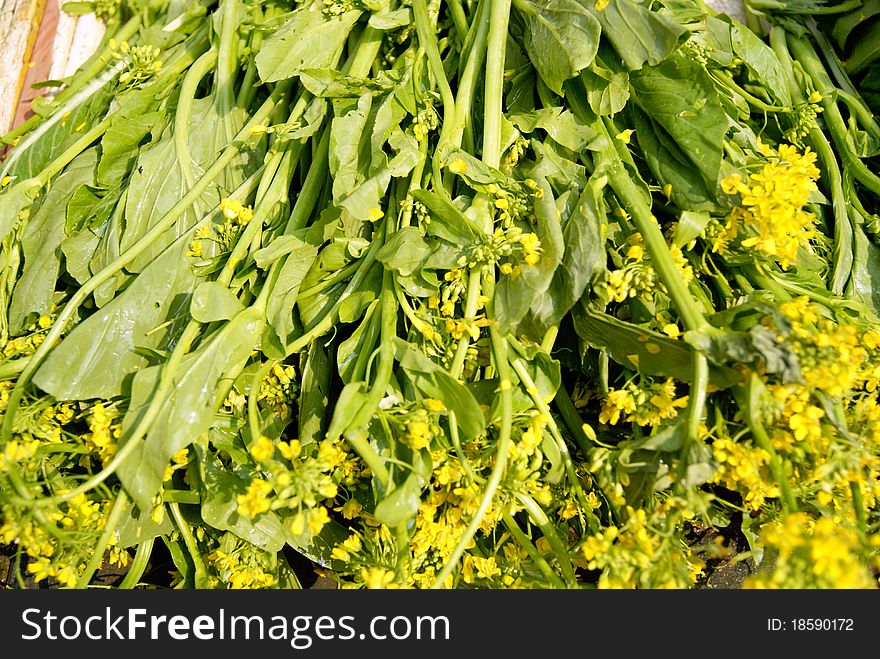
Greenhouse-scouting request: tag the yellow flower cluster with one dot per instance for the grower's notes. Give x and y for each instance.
(646, 405)
(744, 468)
(278, 389)
(141, 61)
(235, 215)
(443, 515)
(234, 211)
(771, 205)
(178, 461)
(636, 277)
(812, 553)
(23, 346)
(52, 552)
(104, 436)
(241, 567)
(830, 355)
(636, 555)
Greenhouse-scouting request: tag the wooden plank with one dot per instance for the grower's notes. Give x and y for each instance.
(59, 44)
(19, 23)
(87, 34)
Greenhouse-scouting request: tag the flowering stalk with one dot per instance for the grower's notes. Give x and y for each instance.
(497, 38)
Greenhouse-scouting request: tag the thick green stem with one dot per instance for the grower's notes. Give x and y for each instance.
(202, 580)
(523, 540)
(539, 517)
(573, 420)
(138, 565)
(842, 252)
(428, 40)
(200, 68)
(802, 51)
(461, 131)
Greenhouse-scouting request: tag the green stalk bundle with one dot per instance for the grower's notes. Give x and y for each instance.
(446, 294)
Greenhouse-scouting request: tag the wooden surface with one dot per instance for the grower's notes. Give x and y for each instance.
(19, 23)
(38, 42)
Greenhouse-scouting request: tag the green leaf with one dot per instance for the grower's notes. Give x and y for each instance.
(90, 208)
(756, 347)
(330, 83)
(561, 125)
(671, 165)
(447, 221)
(405, 252)
(99, 354)
(157, 183)
(391, 20)
(357, 348)
(348, 405)
(560, 37)
(186, 412)
(760, 59)
(402, 504)
(40, 244)
(866, 50)
(314, 394)
(644, 350)
(545, 372)
(679, 95)
(844, 25)
(607, 91)
(638, 34)
(355, 303)
(32, 160)
(279, 309)
(308, 40)
(864, 284)
(213, 301)
(583, 262)
(691, 225)
(119, 146)
(435, 382)
(135, 526)
(349, 152)
(219, 508)
(79, 250)
(278, 247)
(15, 202)
(514, 296)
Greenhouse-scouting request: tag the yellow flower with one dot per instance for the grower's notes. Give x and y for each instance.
(289, 450)
(772, 202)
(418, 434)
(531, 247)
(376, 577)
(263, 449)
(318, 518)
(350, 509)
(255, 500)
(458, 166)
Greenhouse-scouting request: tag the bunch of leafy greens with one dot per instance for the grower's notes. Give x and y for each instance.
(450, 293)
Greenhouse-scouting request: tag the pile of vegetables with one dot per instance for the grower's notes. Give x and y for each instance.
(446, 293)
